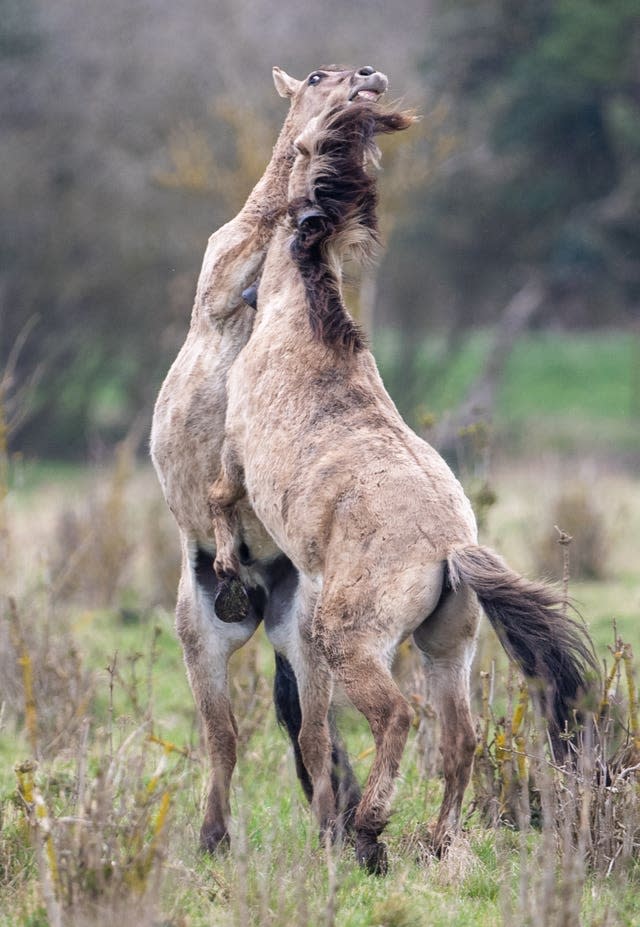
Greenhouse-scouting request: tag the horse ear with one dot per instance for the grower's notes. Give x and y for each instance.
(285, 84)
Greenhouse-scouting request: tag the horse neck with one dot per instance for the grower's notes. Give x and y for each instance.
(269, 196)
(303, 300)
(281, 299)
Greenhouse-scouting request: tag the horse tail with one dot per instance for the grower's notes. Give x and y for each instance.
(552, 649)
(289, 715)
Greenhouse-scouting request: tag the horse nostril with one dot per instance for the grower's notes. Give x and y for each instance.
(366, 72)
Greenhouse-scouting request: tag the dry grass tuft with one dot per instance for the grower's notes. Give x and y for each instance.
(458, 864)
(94, 546)
(100, 855)
(589, 806)
(43, 684)
(578, 515)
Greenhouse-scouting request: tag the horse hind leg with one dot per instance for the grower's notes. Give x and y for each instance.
(450, 685)
(288, 602)
(370, 687)
(315, 687)
(346, 790)
(447, 641)
(206, 656)
(372, 690)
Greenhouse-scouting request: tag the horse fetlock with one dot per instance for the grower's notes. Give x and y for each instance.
(440, 839)
(226, 565)
(323, 802)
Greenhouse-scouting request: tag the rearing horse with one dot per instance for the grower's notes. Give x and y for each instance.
(374, 520)
(186, 438)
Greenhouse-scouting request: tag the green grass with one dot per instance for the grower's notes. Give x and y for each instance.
(587, 375)
(281, 875)
(560, 390)
(277, 874)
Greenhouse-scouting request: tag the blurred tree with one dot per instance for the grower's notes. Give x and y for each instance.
(196, 166)
(548, 100)
(534, 169)
(95, 249)
(543, 189)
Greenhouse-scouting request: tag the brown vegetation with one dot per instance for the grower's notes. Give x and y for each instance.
(93, 853)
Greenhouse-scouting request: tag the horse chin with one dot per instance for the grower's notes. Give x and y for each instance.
(368, 95)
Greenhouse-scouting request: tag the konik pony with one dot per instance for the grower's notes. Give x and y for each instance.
(186, 437)
(371, 516)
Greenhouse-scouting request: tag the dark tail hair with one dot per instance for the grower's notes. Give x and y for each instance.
(288, 713)
(287, 703)
(528, 617)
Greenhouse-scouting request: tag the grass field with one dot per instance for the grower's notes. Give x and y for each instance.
(93, 588)
(562, 393)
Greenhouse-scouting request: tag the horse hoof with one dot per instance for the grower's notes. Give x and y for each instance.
(231, 601)
(250, 296)
(313, 226)
(372, 857)
(214, 840)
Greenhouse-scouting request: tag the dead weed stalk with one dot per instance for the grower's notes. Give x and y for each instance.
(588, 808)
(100, 857)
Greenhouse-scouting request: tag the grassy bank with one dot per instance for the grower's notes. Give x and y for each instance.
(562, 392)
(122, 774)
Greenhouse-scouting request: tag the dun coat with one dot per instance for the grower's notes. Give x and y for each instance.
(186, 439)
(372, 517)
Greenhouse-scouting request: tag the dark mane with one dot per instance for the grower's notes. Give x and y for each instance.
(330, 322)
(341, 201)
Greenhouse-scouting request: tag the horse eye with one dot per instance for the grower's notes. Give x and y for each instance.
(315, 79)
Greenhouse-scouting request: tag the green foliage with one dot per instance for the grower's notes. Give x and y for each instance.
(276, 872)
(545, 179)
(566, 391)
(591, 43)
(18, 31)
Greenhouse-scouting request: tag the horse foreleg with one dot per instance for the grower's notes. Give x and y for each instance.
(223, 497)
(231, 600)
